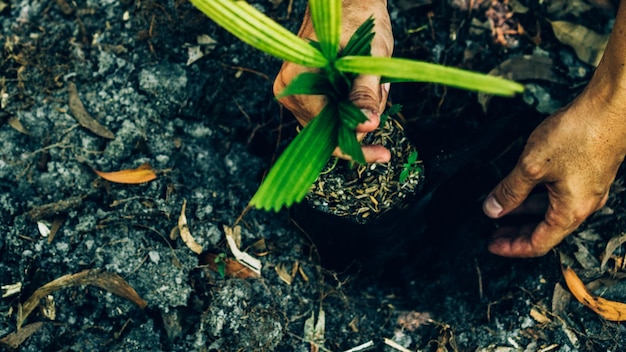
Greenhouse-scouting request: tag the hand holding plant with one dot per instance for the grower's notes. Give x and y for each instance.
(333, 74)
(367, 92)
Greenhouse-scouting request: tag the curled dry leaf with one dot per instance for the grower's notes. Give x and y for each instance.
(17, 125)
(95, 277)
(142, 174)
(184, 232)
(82, 116)
(609, 310)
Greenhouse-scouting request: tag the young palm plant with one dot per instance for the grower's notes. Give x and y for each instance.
(302, 161)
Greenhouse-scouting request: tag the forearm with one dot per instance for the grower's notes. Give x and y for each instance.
(609, 80)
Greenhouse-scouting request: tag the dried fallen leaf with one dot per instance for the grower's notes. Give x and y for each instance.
(233, 268)
(95, 277)
(17, 125)
(142, 174)
(588, 45)
(314, 331)
(185, 234)
(283, 274)
(14, 340)
(82, 116)
(611, 246)
(522, 68)
(609, 310)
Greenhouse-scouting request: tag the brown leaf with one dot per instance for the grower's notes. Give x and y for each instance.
(82, 116)
(142, 174)
(95, 277)
(17, 125)
(185, 233)
(609, 310)
(233, 267)
(588, 45)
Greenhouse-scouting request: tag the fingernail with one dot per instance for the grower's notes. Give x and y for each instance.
(385, 87)
(491, 207)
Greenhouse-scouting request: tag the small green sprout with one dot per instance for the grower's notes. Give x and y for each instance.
(411, 166)
(393, 110)
(220, 262)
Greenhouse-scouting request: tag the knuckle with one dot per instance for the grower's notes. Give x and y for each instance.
(530, 169)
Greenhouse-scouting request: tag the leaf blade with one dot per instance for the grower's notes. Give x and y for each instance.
(404, 70)
(326, 16)
(297, 168)
(309, 83)
(254, 28)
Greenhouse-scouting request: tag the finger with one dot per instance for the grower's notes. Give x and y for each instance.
(560, 220)
(372, 154)
(366, 95)
(509, 193)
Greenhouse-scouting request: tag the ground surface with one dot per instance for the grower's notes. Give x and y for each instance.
(210, 129)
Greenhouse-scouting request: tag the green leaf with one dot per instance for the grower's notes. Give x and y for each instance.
(393, 110)
(297, 168)
(350, 115)
(418, 71)
(350, 145)
(404, 175)
(253, 27)
(412, 158)
(360, 43)
(308, 83)
(326, 16)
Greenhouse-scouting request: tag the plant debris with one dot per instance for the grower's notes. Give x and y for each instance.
(609, 310)
(96, 277)
(82, 116)
(142, 174)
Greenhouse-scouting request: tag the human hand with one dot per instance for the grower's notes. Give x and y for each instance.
(575, 153)
(367, 92)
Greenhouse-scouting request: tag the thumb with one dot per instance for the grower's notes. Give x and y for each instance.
(366, 94)
(508, 194)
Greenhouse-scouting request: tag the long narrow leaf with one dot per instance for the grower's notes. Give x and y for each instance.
(308, 83)
(418, 71)
(297, 168)
(350, 145)
(326, 16)
(350, 115)
(360, 43)
(253, 27)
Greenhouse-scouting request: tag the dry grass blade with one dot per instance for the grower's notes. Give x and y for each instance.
(609, 310)
(82, 116)
(95, 277)
(141, 174)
